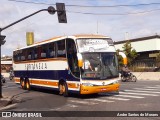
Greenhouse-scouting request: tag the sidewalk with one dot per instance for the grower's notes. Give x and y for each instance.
(147, 75)
(7, 103)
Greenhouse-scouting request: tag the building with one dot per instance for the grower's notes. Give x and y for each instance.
(6, 65)
(147, 47)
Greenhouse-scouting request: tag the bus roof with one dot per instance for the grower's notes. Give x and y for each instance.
(90, 36)
(64, 37)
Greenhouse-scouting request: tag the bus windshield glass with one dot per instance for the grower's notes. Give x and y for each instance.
(99, 65)
(93, 45)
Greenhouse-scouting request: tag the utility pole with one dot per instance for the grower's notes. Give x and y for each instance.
(2, 41)
(61, 17)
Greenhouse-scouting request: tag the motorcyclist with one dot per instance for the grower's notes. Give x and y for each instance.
(125, 71)
(11, 75)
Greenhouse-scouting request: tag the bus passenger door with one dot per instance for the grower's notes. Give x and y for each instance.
(72, 58)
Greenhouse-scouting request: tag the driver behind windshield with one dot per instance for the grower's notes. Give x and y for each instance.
(87, 65)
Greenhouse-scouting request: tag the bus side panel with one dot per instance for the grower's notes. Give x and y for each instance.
(46, 74)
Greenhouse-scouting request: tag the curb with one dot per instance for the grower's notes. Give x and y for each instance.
(10, 103)
(9, 107)
(6, 101)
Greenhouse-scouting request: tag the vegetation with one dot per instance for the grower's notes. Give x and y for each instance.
(130, 53)
(158, 61)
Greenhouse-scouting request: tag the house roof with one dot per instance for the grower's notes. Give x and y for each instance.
(144, 44)
(138, 39)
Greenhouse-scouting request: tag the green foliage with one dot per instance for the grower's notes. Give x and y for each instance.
(158, 60)
(120, 59)
(130, 53)
(158, 57)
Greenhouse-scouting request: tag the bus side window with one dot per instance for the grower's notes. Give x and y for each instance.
(30, 54)
(15, 56)
(39, 49)
(52, 50)
(61, 52)
(44, 51)
(23, 55)
(19, 55)
(35, 53)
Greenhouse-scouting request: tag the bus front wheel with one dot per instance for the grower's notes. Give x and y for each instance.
(63, 89)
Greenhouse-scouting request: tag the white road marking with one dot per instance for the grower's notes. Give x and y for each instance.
(153, 87)
(71, 105)
(130, 96)
(117, 98)
(138, 93)
(100, 100)
(83, 102)
(142, 91)
(149, 89)
(7, 87)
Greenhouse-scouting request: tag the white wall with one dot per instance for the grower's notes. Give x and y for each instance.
(145, 45)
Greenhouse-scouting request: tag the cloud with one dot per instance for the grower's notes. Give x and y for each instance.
(46, 26)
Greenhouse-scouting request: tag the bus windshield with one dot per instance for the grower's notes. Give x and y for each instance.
(99, 65)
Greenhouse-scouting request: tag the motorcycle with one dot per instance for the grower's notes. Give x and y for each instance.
(129, 77)
(11, 75)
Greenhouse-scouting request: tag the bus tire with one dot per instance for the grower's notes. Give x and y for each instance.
(63, 89)
(22, 83)
(28, 87)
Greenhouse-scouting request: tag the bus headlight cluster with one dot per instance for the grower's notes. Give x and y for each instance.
(87, 84)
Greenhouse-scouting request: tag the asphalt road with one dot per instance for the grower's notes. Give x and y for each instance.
(134, 96)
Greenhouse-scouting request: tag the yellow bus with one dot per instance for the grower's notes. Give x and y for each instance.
(69, 64)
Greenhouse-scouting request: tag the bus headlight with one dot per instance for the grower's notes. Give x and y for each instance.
(87, 84)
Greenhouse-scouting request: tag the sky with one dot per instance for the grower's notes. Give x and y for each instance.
(105, 17)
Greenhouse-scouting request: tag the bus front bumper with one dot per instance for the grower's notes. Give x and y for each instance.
(99, 89)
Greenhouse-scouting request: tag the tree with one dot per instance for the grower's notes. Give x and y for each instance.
(158, 60)
(130, 53)
(120, 59)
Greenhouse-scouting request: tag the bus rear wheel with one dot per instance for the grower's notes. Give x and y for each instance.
(28, 87)
(63, 89)
(22, 83)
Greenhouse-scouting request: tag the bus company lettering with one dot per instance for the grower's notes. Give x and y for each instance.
(36, 66)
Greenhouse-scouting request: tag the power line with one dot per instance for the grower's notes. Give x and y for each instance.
(102, 14)
(91, 13)
(114, 5)
(31, 2)
(105, 6)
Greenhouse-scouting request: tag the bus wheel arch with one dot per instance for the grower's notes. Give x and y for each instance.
(63, 88)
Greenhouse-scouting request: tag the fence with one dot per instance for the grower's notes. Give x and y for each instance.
(145, 66)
